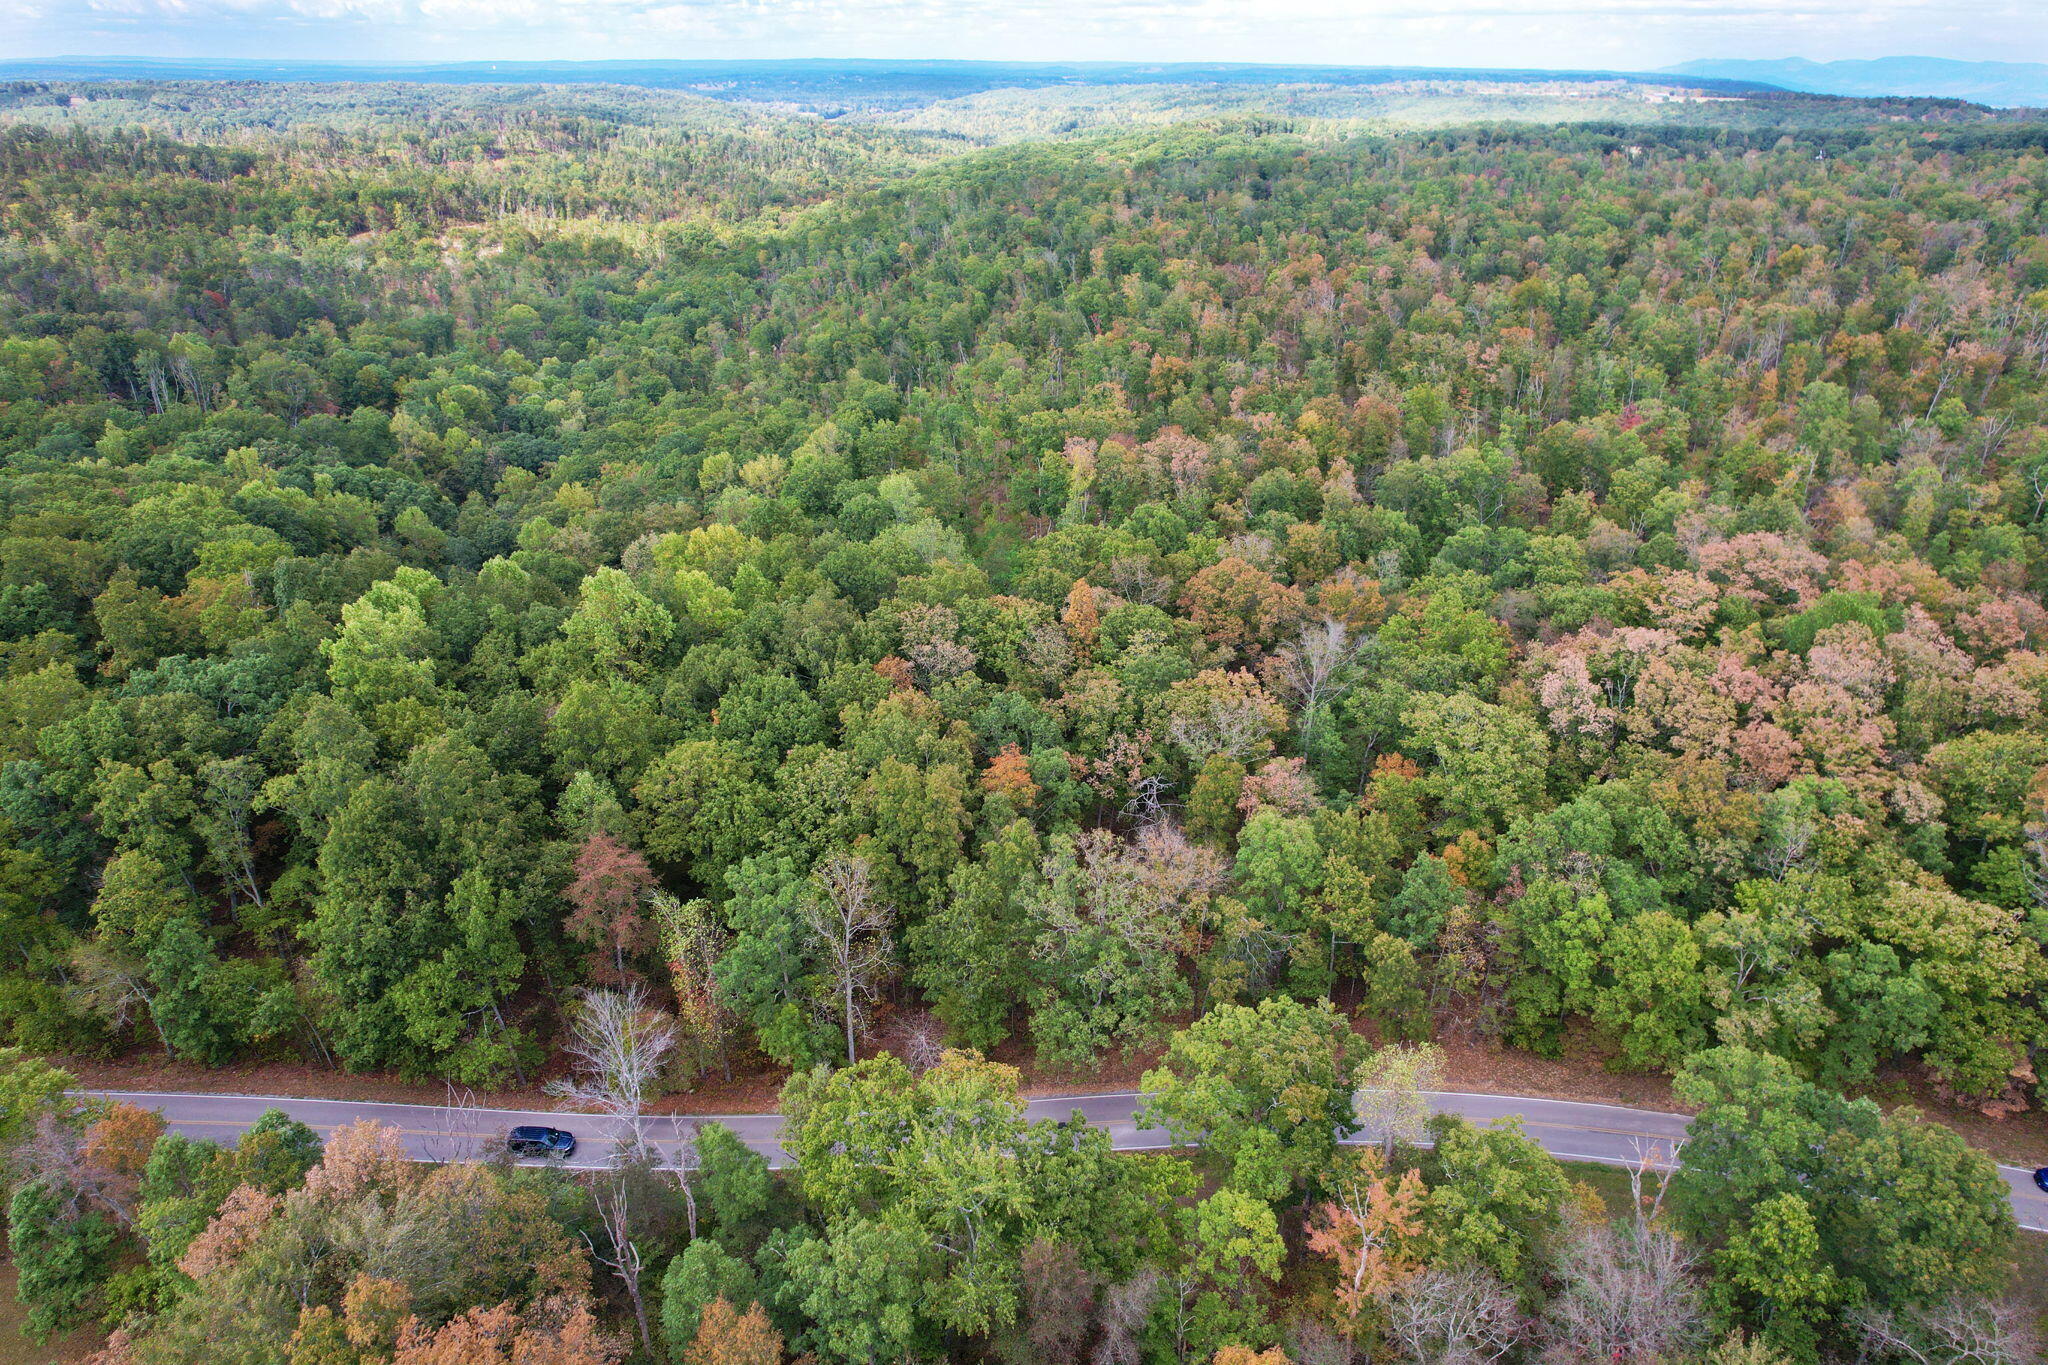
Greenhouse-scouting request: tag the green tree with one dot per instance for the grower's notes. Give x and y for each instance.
(1108, 924)
(769, 972)
(1771, 1274)
(1265, 1091)
(859, 1287)
(1560, 935)
(1491, 763)
(1279, 865)
(617, 630)
(734, 1182)
(1233, 1248)
(1416, 913)
(181, 1189)
(940, 1157)
(1655, 1001)
(702, 808)
(704, 1271)
(275, 1152)
(917, 821)
(201, 1004)
(138, 896)
(1762, 1133)
(1495, 1198)
(29, 1088)
(968, 953)
(1394, 996)
(1212, 814)
(62, 1255)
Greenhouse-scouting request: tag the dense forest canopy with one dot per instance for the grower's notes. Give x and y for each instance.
(1252, 579)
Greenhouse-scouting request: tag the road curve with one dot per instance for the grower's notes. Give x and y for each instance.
(1570, 1130)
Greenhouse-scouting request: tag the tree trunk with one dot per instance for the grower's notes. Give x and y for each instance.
(640, 1312)
(849, 1019)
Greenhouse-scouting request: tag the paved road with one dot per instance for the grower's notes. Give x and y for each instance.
(1568, 1129)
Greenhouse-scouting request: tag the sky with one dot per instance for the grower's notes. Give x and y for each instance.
(1615, 34)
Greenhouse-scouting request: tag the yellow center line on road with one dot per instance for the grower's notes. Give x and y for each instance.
(446, 1132)
(1583, 1128)
(332, 1127)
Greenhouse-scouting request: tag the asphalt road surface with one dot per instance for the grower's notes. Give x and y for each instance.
(1569, 1130)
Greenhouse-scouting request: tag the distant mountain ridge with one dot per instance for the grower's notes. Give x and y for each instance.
(870, 82)
(2003, 84)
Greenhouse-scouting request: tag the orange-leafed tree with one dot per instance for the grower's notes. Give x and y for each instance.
(115, 1151)
(556, 1331)
(233, 1231)
(1352, 599)
(726, 1336)
(374, 1312)
(1240, 609)
(364, 1156)
(1009, 774)
(1080, 619)
(1370, 1228)
(1245, 1355)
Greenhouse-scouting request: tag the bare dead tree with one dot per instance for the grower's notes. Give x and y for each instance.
(149, 366)
(1317, 1343)
(114, 986)
(1148, 796)
(920, 1042)
(681, 1158)
(1126, 1308)
(2037, 475)
(1132, 578)
(1629, 1297)
(1655, 1164)
(620, 1250)
(1454, 1317)
(1788, 848)
(619, 1043)
(849, 921)
(2035, 869)
(1057, 1306)
(1993, 429)
(54, 1154)
(1235, 725)
(1961, 1331)
(461, 1137)
(1310, 672)
(931, 642)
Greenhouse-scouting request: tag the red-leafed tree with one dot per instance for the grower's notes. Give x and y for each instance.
(612, 883)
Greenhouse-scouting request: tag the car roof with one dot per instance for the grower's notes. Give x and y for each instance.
(532, 1130)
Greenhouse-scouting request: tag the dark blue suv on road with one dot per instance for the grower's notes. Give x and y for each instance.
(534, 1140)
(2041, 1180)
